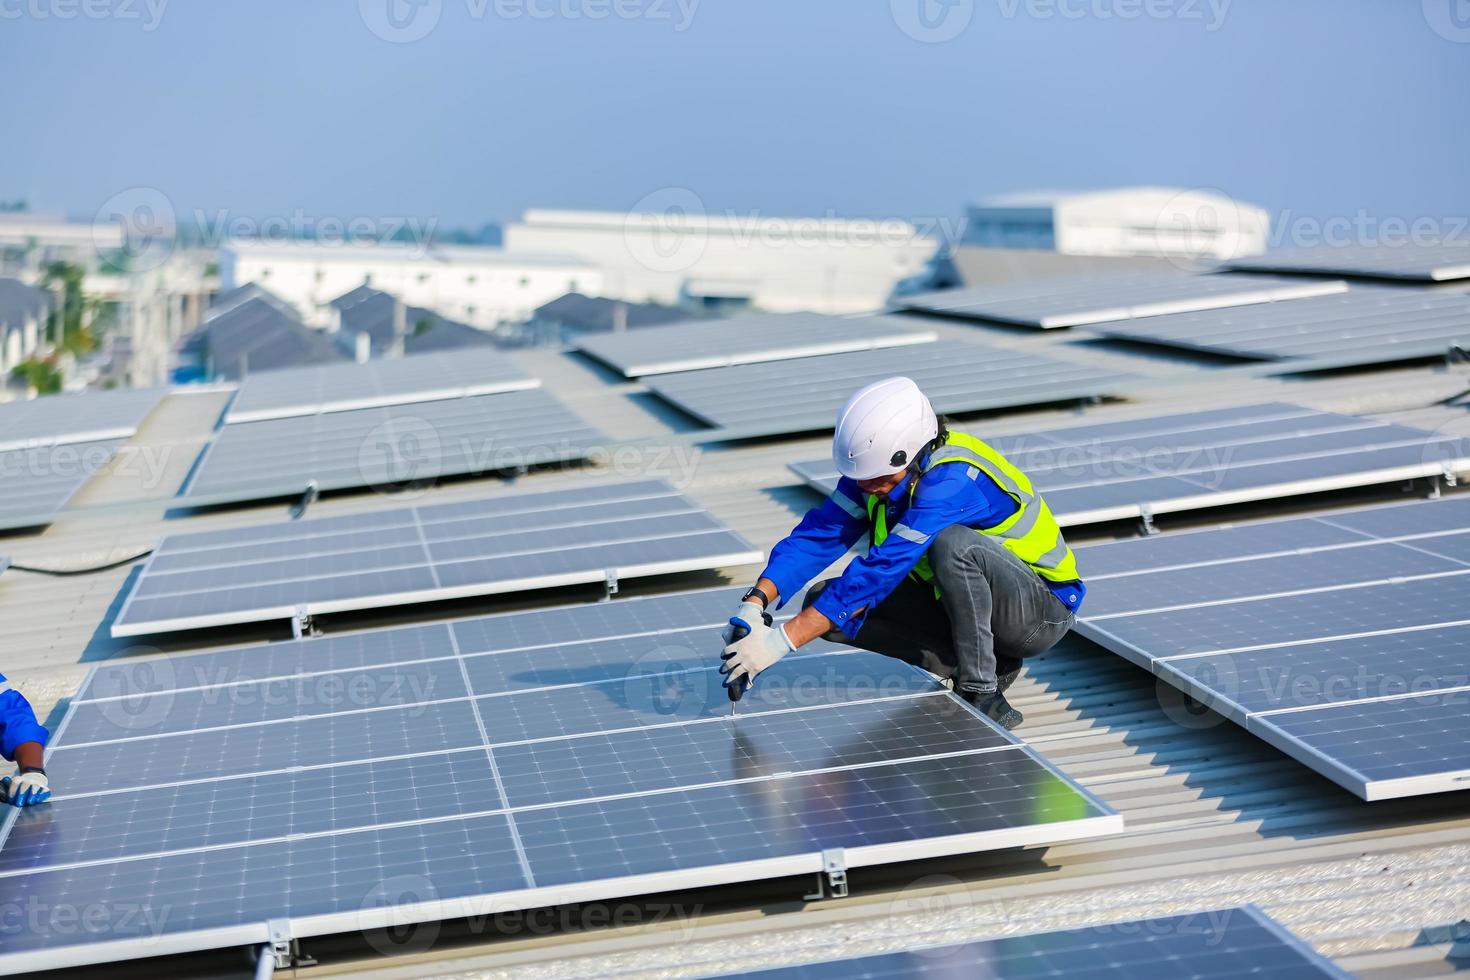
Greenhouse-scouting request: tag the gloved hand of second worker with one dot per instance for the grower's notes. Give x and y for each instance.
(26, 788)
(747, 657)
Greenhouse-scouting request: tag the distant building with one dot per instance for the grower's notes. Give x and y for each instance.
(723, 264)
(577, 314)
(30, 241)
(483, 287)
(248, 330)
(1159, 221)
(370, 323)
(24, 311)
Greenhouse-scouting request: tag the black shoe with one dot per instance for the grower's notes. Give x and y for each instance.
(994, 706)
(1006, 672)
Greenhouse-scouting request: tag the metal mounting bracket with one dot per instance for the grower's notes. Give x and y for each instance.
(832, 879)
(609, 584)
(1146, 519)
(1450, 479)
(281, 943)
(301, 623)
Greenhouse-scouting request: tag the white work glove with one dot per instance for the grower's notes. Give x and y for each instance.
(26, 788)
(749, 613)
(747, 657)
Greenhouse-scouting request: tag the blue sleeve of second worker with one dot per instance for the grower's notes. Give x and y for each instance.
(948, 495)
(822, 537)
(18, 723)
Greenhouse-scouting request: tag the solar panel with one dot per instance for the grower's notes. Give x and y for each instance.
(1339, 639)
(375, 447)
(746, 340)
(1194, 460)
(1430, 262)
(396, 381)
(1223, 944)
(54, 420)
(36, 483)
(213, 795)
(803, 395)
(1076, 300)
(1364, 325)
(505, 543)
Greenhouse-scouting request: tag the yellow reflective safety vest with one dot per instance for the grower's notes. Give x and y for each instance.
(1031, 533)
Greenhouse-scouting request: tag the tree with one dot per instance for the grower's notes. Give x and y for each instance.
(71, 324)
(42, 375)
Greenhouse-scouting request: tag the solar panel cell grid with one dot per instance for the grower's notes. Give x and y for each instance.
(1427, 261)
(343, 387)
(1158, 465)
(1341, 642)
(375, 447)
(418, 554)
(57, 420)
(803, 395)
(1364, 325)
(37, 483)
(358, 769)
(1073, 301)
(698, 345)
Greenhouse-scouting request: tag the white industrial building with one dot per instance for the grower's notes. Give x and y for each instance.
(29, 241)
(725, 263)
(1161, 221)
(481, 286)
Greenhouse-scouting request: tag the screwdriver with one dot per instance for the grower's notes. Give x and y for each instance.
(739, 631)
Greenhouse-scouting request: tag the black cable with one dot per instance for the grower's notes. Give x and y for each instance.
(80, 571)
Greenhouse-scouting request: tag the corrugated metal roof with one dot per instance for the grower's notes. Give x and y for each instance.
(1215, 817)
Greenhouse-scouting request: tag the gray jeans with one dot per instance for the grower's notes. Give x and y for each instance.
(994, 611)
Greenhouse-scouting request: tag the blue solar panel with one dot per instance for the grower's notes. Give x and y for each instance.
(490, 757)
(1340, 638)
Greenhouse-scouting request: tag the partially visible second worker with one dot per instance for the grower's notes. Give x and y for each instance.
(22, 741)
(966, 572)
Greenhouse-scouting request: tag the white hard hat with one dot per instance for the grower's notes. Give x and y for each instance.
(882, 429)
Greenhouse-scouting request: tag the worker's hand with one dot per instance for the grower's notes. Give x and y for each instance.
(26, 788)
(745, 618)
(747, 657)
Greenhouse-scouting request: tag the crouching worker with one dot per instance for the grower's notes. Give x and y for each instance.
(22, 741)
(966, 572)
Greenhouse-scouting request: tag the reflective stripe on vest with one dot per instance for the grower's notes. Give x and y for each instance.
(1031, 533)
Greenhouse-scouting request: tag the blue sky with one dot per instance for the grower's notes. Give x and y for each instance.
(269, 107)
